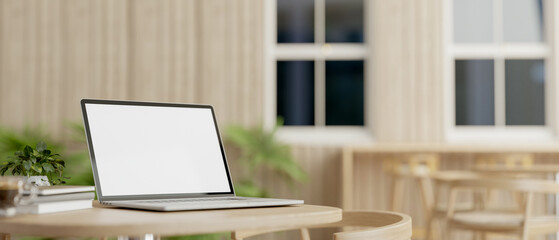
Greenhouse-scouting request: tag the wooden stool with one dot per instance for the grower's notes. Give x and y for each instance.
(523, 223)
(417, 167)
(506, 160)
(509, 161)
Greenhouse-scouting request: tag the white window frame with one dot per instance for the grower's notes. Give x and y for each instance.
(319, 52)
(499, 52)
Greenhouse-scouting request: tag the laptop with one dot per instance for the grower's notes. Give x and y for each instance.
(161, 157)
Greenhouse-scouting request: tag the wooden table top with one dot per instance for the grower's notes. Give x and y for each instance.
(99, 222)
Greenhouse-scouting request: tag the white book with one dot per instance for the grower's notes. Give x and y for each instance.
(51, 207)
(62, 189)
(65, 197)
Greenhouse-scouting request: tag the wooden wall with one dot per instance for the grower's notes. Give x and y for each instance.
(407, 70)
(55, 52)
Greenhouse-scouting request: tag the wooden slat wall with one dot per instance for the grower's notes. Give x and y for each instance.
(55, 52)
(407, 70)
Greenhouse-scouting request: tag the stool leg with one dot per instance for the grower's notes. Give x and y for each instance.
(449, 233)
(397, 193)
(428, 202)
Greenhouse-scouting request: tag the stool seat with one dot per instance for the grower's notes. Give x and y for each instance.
(489, 219)
(406, 170)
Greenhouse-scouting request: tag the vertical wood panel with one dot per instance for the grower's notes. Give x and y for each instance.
(93, 53)
(211, 27)
(184, 63)
(384, 13)
(147, 26)
(405, 75)
(13, 23)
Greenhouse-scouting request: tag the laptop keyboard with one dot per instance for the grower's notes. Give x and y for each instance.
(193, 200)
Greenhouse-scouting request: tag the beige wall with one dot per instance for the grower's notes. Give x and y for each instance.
(55, 52)
(407, 66)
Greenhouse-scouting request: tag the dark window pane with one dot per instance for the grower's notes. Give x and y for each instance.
(475, 92)
(523, 20)
(344, 93)
(295, 92)
(295, 21)
(473, 21)
(525, 94)
(344, 20)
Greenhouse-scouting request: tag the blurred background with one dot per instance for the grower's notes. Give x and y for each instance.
(338, 72)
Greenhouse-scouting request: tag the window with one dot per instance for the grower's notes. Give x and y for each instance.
(317, 64)
(499, 53)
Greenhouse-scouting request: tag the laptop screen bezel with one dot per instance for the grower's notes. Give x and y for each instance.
(98, 187)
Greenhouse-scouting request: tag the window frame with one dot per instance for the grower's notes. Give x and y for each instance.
(500, 52)
(319, 52)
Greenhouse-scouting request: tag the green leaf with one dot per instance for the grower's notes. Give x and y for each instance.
(59, 167)
(27, 165)
(27, 151)
(36, 154)
(247, 188)
(19, 153)
(48, 167)
(4, 170)
(240, 136)
(260, 148)
(37, 168)
(41, 146)
(60, 162)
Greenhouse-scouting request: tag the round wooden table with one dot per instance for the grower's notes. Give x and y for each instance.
(100, 222)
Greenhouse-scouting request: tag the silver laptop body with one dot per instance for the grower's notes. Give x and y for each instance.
(160, 156)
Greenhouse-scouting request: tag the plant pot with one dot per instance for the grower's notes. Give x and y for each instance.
(38, 180)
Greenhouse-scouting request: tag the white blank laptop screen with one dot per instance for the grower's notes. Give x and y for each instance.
(156, 150)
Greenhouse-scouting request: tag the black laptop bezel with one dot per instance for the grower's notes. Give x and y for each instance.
(98, 188)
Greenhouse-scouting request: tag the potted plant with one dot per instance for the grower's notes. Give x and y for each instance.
(39, 165)
(260, 147)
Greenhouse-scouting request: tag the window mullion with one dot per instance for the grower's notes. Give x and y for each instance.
(551, 63)
(500, 98)
(319, 22)
(270, 43)
(499, 79)
(320, 65)
(319, 93)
